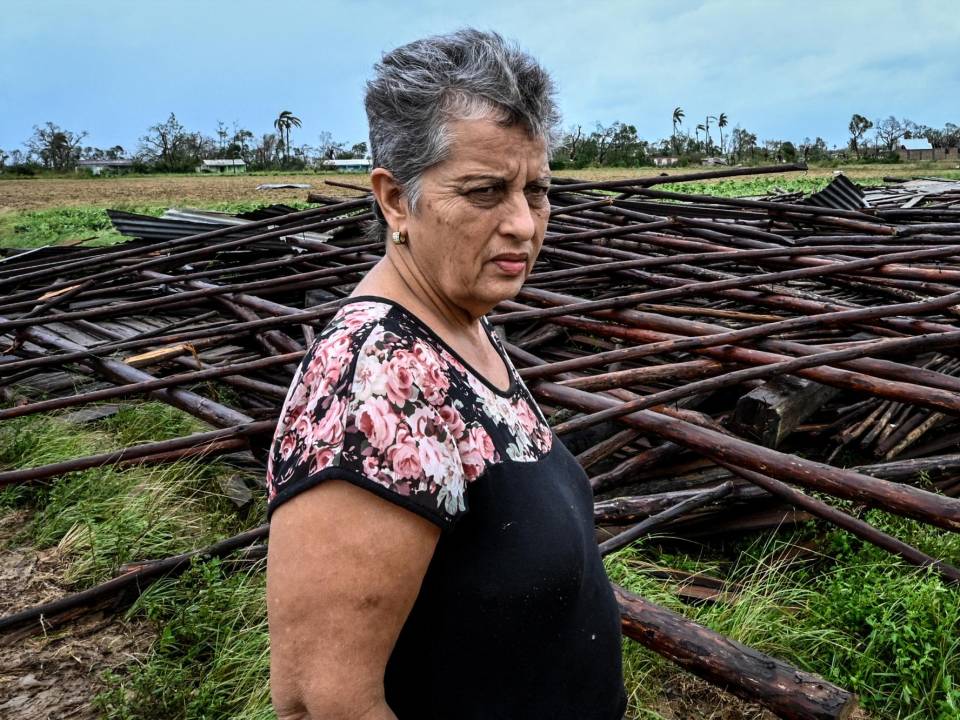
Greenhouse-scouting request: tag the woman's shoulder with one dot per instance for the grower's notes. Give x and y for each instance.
(372, 402)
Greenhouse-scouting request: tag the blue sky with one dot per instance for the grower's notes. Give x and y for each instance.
(782, 70)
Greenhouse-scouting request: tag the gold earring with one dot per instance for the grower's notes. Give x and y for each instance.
(399, 238)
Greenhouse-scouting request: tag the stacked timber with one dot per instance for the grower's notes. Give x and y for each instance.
(718, 365)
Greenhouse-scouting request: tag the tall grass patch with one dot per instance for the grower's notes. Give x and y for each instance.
(211, 659)
(855, 615)
(103, 517)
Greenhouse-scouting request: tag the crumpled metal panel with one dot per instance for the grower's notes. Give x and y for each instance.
(840, 194)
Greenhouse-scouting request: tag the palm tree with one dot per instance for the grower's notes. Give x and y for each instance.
(286, 120)
(677, 120)
(699, 128)
(722, 123)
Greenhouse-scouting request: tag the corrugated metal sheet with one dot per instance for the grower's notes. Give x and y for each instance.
(183, 223)
(268, 212)
(154, 228)
(841, 194)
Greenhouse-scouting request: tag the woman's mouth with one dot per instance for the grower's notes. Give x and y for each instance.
(511, 264)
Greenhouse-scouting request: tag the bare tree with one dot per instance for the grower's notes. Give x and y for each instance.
(168, 145)
(266, 152)
(222, 135)
(575, 139)
(54, 147)
(329, 148)
(742, 143)
(857, 127)
(602, 137)
(890, 131)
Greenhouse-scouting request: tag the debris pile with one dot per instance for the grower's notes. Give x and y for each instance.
(711, 361)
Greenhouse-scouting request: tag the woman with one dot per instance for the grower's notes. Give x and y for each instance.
(431, 549)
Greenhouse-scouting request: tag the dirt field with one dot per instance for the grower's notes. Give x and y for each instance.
(42, 193)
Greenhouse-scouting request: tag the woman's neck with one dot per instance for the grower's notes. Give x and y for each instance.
(396, 279)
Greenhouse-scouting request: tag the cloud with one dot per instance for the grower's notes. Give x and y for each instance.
(783, 69)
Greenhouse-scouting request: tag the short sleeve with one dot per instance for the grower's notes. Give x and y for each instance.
(374, 408)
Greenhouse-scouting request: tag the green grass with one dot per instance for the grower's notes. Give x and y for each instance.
(760, 185)
(59, 225)
(856, 616)
(36, 228)
(104, 517)
(211, 657)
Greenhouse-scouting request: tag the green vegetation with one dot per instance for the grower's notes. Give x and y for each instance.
(854, 615)
(210, 657)
(88, 225)
(759, 185)
(58, 226)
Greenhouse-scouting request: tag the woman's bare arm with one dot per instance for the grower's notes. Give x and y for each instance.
(344, 568)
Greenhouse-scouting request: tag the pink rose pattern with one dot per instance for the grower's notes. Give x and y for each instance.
(379, 398)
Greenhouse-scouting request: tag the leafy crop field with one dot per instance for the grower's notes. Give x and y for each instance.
(196, 647)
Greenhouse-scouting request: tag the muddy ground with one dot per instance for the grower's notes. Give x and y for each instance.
(54, 675)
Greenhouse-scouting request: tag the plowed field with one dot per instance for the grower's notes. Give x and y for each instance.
(171, 190)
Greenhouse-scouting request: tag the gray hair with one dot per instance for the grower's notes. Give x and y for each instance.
(418, 88)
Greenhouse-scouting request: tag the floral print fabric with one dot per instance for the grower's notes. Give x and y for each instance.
(379, 400)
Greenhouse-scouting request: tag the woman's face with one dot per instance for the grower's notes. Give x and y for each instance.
(482, 215)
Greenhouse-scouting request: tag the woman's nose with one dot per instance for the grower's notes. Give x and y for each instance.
(518, 220)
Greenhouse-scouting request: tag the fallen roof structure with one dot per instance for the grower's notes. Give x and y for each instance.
(682, 345)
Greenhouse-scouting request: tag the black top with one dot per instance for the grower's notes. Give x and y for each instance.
(515, 618)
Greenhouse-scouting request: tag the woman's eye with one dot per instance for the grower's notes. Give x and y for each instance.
(486, 195)
(537, 194)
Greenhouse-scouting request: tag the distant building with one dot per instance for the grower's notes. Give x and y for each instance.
(665, 161)
(917, 149)
(713, 161)
(347, 165)
(96, 167)
(231, 167)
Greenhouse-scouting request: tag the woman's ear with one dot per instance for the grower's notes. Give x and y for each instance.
(390, 197)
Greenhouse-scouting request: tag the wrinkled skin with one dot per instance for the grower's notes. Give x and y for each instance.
(473, 237)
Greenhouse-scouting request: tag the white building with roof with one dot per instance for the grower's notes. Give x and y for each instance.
(347, 165)
(223, 166)
(96, 167)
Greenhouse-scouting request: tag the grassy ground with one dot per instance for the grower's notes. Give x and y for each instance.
(847, 611)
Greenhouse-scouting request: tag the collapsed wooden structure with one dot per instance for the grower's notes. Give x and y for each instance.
(684, 346)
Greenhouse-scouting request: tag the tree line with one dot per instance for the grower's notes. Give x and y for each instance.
(618, 144)
(168, 146)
